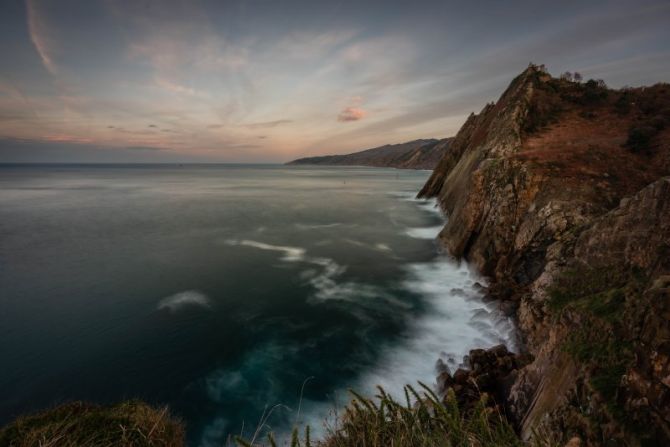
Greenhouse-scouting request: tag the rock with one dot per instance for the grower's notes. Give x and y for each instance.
(492, 372)
(441, 367)
(499, 351)
(478, 286)
(508, 308)
(528, 205)
(461, 376)
(445, 381)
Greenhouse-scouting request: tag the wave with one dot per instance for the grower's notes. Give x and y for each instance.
(184, 299)
(320, 226)
(424, 232)
(323, 281)
(291, 254)
(376, 247)
(456, 320)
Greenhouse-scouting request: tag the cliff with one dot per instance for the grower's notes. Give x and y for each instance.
(417, 154)
(559, 193)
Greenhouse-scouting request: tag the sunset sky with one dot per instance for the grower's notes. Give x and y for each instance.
(269, 81)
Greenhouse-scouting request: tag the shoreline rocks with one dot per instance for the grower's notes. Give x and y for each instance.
(491, 372)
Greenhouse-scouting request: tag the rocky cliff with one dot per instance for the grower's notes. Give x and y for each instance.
(417, 154)
(559, 193)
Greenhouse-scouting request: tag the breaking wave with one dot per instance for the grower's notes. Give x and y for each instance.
(454, 319)
(424, 233)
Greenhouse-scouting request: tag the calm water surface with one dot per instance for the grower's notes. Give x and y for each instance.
(220, 290)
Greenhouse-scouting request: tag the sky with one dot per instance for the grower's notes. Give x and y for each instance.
(270, 81)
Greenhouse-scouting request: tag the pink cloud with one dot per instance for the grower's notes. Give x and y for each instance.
(66, 138)
(351, 114)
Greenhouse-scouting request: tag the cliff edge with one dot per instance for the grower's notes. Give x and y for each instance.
(559, 192)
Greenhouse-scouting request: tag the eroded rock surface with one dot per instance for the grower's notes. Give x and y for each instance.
(545, 196)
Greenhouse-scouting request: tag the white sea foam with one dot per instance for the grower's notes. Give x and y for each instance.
(320, 226)
(456, 320)
(184, 299)
(430, 205)
(292, 254)
(424, 233)
(449, 328)
(322, 279)
(376, 247)
(382, 247)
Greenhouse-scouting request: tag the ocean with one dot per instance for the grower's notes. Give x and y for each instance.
(226, 291)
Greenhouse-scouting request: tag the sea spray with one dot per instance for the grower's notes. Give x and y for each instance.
(455, 320)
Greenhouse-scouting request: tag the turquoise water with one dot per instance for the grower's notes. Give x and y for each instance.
(220, 290)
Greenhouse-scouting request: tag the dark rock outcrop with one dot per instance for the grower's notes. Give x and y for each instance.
(491, 373)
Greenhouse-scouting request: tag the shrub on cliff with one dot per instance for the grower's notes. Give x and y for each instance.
(76, 424)
(639, 138)
(593, 92)
(543, 109)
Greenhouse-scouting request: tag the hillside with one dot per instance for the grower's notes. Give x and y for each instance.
(559, 192)
(417, 154)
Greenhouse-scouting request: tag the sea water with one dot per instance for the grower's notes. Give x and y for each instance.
(228, 292)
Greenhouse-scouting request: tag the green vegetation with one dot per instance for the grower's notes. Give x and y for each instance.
(600, 342)
(131, 423)
(421, 421)
(554, 96)
(597, 290)
(653, 115)
(608, 355)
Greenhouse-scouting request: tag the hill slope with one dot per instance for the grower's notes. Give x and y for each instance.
(417, 154)
(560, 193)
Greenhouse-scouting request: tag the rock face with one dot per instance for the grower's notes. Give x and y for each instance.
(491, 372)
(546, 194)
(417, 154)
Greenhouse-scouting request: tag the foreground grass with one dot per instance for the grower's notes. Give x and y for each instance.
(423, 420)
(129, 424)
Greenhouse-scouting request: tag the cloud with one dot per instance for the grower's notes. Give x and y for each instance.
(174, 87)
(37, 33)
(309, 44)
(66, 138)
(351, 114)
(145, 148)
(241, 146)
(267, 124)
(152, 125)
